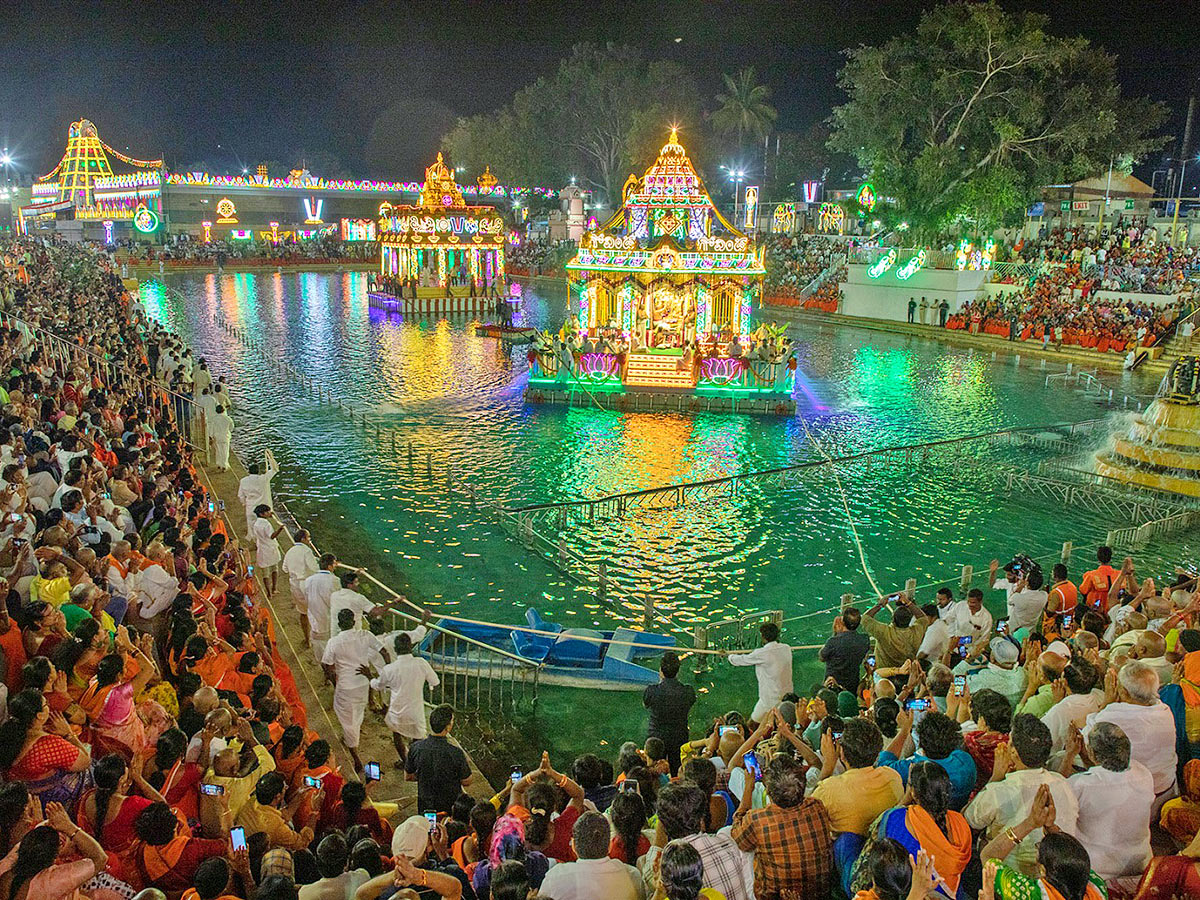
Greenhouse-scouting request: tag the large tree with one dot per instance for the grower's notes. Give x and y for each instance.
(590, 120)
(744, 107)
(963, 121)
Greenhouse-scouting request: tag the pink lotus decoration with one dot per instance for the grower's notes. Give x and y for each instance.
(721, 370)
(598, 366)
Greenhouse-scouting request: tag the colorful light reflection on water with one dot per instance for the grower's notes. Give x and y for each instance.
(458, 396)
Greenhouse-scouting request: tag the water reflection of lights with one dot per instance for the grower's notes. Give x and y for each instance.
(451, 392)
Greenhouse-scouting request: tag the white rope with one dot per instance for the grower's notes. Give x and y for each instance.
(862, 554)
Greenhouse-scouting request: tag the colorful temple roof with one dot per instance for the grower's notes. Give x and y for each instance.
(668, 222)
(441, 216)
(84, 162)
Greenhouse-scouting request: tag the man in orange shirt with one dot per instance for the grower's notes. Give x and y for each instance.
(1096, 583)
(1059, 619)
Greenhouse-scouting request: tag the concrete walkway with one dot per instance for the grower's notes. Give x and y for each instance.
(376, 740)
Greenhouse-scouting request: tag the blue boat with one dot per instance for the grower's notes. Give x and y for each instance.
(573, 657)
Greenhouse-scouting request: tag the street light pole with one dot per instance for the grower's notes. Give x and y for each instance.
(1183, 161)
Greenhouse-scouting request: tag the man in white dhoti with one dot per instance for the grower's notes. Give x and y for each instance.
(222, 434)
(318, 589)
(208, 408)
(266, 532)
(255, 488)
(348, 597)
(347, 660)
(221, 392)
(406, 677)
(298, 563)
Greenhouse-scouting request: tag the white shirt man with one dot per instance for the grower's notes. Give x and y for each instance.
(348, 598)
(298, 563)
(1073, 708)
(346, 652)
(318, 589)
(406, 677)
(154, 588)
(936, 640)
(1024, 608)
(255, 489)
(1151, 732)
(1003, 804)
(266, 546)
(962, 622)
(773, 667)
(1114, 818)
(208, 405)
(598, 877)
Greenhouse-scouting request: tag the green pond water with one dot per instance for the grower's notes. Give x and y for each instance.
(457, 397)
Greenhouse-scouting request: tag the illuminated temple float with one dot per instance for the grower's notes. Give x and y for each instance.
(659, 307)
(1161, 450)
(440, 256)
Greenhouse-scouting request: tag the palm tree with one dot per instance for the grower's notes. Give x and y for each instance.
(744, 107)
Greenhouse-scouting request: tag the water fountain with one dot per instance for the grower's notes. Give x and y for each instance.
(1161, 450)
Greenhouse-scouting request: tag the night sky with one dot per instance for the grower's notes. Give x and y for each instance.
(375, 85)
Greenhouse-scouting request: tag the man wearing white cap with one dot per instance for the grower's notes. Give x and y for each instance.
(1001, 673)
(416, 867)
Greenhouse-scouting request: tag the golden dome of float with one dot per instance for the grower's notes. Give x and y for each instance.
(1161, 450)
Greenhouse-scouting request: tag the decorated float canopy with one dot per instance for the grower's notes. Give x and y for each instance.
(441, 235)
(667, 252)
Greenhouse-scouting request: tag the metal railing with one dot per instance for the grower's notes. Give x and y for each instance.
(732, 634)
(1014, 270)
(1095, 388)
(1064, 484)
(823, 276)
(471, 672)
(560, 515)
(934, 259)
(1137, 535)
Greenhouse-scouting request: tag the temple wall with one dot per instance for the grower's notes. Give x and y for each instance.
(886, 297)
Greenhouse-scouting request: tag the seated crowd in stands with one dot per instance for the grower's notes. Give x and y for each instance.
(153, 726)
(793, 261)
(194, 252)
(1049, 312)
(1128, 255)
(534, 256)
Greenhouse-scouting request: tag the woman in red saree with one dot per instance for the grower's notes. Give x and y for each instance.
(1168, 877)
(166, 855)
(47, 629)
(39, 748)
(107, 812)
